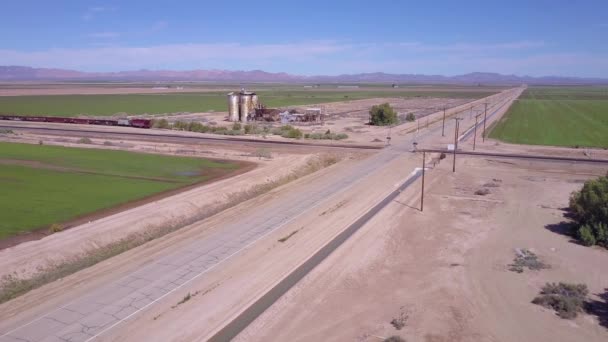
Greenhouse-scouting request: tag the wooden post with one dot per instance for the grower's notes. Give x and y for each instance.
(485, 113)
(443, 123)
(422, 194)
(455, 145)
(475, 130)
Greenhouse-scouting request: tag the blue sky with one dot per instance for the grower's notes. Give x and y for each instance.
(568, 38)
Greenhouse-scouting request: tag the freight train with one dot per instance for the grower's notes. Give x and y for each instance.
(139, 123)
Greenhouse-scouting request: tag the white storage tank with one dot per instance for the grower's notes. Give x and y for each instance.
(233, 107)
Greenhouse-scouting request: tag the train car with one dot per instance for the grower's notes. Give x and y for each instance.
(124, 122)
(103, 122)
(11, 118)
(141, 123)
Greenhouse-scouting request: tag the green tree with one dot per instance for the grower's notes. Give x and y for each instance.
(382, 115)
(589, 207)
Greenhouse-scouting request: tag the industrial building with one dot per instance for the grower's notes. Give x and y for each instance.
(244, 106)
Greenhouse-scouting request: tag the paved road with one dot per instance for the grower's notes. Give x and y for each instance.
(87, 317)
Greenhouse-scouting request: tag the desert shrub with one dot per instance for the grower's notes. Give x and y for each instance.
(162, 123)
(589, 207)
(195, 126)
(326, 136)
(315, 136)
(566, 299)
(255, 129)
(382, 115)
(263, 153)
(180, 126)
(230, 132)
(410, 117)
(84, 140)
(526, 259)
(585, 235)
(6, 131)
(108, 143)
(218, 130)
(293, 133)
(341, 136)
(482, 192)
(249, 128)
(40, 142)
(394, 338)
(236, 126)
(55, 228)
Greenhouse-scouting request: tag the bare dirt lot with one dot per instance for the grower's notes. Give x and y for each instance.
(443, 273)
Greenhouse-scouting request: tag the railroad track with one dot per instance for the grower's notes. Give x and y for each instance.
(179, 138)
(521, 156)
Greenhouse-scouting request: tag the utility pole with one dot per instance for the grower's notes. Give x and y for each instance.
(475, 130)
(418, 129)
(422, 195)
(443, 123)
(455, 143)
(485, 114)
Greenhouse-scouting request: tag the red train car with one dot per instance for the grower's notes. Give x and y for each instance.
(139, 123)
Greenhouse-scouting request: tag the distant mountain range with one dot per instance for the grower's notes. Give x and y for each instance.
(23, 73)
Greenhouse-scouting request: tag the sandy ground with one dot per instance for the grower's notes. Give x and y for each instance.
(444, 270)
(25, 258)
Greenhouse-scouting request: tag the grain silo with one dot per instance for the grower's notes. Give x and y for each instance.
(254, 101)
(245, 105)
(233, 107)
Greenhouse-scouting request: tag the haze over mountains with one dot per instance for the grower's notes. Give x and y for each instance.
(23, 73)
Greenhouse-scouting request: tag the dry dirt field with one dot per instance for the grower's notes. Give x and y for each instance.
(443, 272)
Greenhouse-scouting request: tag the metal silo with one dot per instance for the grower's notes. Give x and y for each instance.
(245, 104)
(254, 101)
(233, 107)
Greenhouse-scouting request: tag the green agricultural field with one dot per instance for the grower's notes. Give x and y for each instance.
(42, 185)
(101, 105)
(573, 117)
